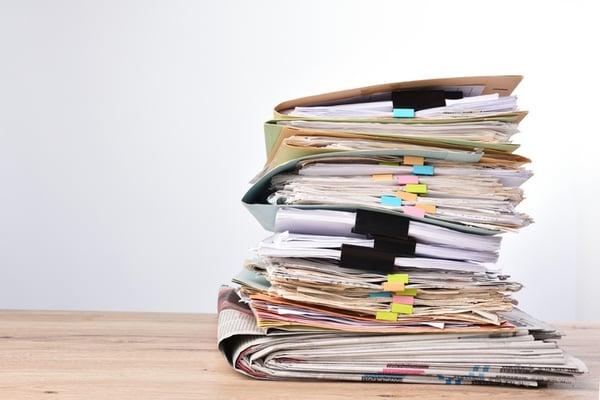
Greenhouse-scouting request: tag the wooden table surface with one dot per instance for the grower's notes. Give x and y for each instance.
(119, 356)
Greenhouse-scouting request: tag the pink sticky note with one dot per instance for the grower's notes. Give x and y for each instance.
(403, 299)
(404, 179)
(414, 211)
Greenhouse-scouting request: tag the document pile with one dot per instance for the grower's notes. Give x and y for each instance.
(387, 206)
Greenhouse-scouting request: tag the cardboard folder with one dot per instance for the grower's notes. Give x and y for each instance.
(504, 85)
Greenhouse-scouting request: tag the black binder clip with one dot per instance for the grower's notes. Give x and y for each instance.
(405, 246)
(367, 258)
(406, 102)
(372, 223)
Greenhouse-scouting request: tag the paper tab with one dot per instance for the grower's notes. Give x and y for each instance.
(403, 299)
(398, 278)
(393, 286)
(404, 179)
(403, 113)
(386, 316)
(413, 160)
(407, 292)
(413, 211)
(405, 196)
(423, 169)
(389, 163)
(401, 308)
(420, 188)
(382, 177)
(380, 294)
(391, 201)
(428, 208)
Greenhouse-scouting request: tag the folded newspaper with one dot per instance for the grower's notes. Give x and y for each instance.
(528, 355)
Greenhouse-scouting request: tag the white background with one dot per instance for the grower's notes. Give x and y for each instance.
(129, 131)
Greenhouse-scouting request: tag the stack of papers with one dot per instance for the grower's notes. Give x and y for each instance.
(387, 206)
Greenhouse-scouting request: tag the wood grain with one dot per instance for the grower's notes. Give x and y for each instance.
(119, 356)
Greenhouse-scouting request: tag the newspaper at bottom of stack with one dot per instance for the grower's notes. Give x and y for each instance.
(528, 356)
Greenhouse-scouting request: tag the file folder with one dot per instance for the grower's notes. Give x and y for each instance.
(254, 200)
(279, 152)
(469, 86)
(503, 85)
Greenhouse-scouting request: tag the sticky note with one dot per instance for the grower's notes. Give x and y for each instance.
(398, 278)
(380, 294)
(382, 177)
(407, 292)
(413, 211)
(404, 179)
(413, 160)
(386, 316)
(393, 286)
(403, 299)
(423, 169)
(405, 196)
(403, 113)
(389, 163)
(401, 308)
(391, 201)
(416, 188)
(428, 208)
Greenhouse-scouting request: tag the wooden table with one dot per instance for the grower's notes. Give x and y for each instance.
(119, 356)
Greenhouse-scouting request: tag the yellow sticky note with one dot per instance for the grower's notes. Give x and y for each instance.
(406, 196)
(386, 316)
(428, 208)
(408, 292)
(398, 278)
(413, 160)
(401, 308)
(419, 188)
(382, 177)
(393, 286)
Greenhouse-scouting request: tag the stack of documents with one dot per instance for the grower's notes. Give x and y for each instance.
(387, 206)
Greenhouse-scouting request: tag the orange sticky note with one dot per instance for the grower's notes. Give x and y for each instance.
(428, 208)
(382, 177)
(393, 286)
(406, 196)
(413, 160)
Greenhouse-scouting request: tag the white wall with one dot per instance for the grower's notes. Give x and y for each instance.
(129, 131)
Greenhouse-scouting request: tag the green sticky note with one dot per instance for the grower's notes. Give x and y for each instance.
(407, 292)
(398, 278)
(386, 316)
(401, 308)
(416, 188)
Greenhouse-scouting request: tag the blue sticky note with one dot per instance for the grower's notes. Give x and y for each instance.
(403, 113)
(391, 201)
(422, 169)
(380, 294)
